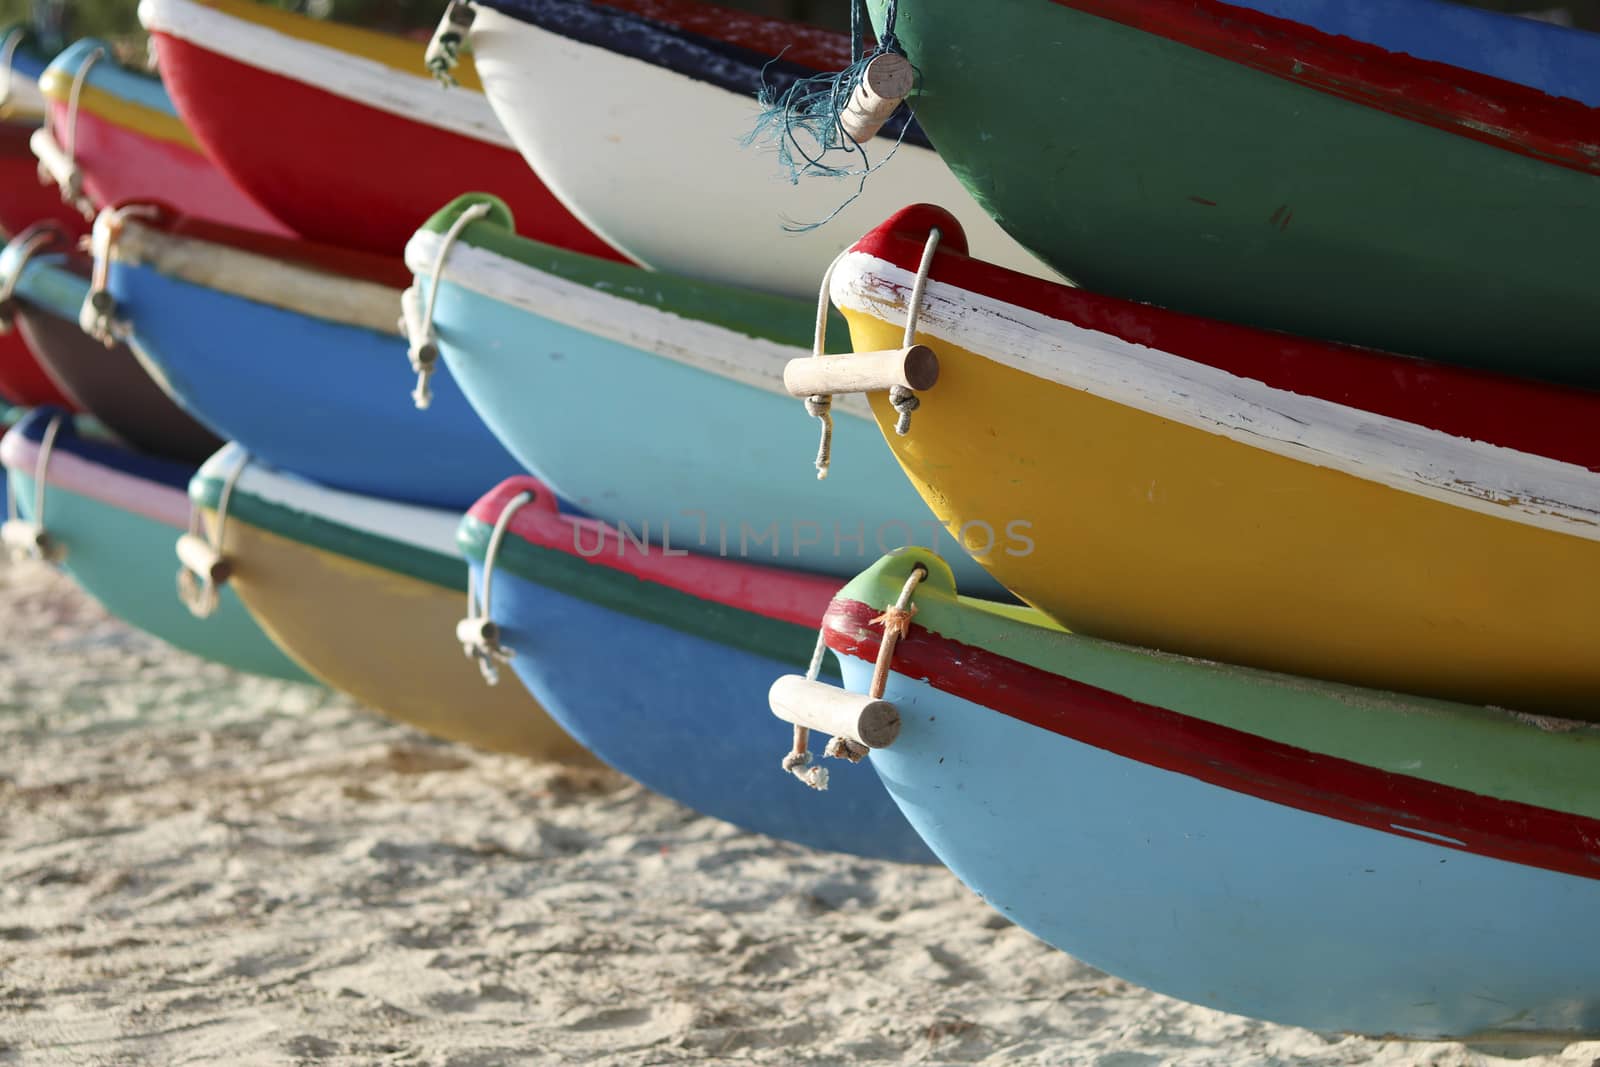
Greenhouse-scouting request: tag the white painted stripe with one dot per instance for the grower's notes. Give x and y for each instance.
(1490, 479)
(705, 346)
(430, 529)
(107, 485)
(354, 77)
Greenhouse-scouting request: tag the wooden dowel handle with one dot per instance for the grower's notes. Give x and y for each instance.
(62, 171)
(20, 535)
(915, 368)
(478, 632)
(199, 557)
(887, 81)
(821, 707)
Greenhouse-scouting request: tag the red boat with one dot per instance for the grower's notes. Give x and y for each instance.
(340, 131)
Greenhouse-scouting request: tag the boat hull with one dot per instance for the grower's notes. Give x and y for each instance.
(619, 155)
(681, 711)
(1272, 200)
(327, 401)
(1209, 546)
(334, 156)
(26, 199)
(697, 447)
(119, 543)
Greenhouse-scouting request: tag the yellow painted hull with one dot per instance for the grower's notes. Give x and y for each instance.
(1152, 533)
(388, 640)
(126, 114)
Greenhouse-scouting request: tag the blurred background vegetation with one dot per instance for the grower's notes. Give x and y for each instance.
(117, 20)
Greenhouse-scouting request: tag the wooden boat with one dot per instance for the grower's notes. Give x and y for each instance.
(1247, 496)
(1335, 858)
(338, 130)
(48, 291)
(658, 662)
(128, 143)
(24, 200)
(598, 98)
(1221, 162)
(294, 351)
(365, 595)
(670, 372)
(113, 516)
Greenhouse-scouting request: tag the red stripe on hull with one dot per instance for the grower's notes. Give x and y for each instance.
(120, 164)
(344, 173)
(1231, 759)
(1499, 113)
(24, 199)
(1537, 418)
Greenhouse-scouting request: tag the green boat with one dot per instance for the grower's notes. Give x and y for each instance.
(1218, 161)
(113, 518)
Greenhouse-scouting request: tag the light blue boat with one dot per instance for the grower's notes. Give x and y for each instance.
(117, 517)
(293, 351)
(659, 664)
(1307, 853)
(656, 403)
(1553, 59)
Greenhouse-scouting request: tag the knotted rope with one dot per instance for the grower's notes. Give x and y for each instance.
(828, 117)
(896, 623)
(97, 318)
(903, 400)
(202, 593)
(449, 38)
(31, 540)
(416, 322)
(478, 633)
(30, 242)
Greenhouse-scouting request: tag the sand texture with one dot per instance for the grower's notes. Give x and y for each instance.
(202, 868)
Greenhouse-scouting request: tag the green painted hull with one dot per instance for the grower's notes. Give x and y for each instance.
(1148, 169)
(127, 562)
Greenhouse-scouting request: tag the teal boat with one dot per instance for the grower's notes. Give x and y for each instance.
(113, 518)
(1218, 161)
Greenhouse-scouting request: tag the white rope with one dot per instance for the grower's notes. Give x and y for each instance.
(902, 399)
(199, 592)
(8, 55)
(798, 760)
(443, 53)
(31, 540)
(478, 633)
(424, 348)
(31, 241)
(97, 317)
(72, 102)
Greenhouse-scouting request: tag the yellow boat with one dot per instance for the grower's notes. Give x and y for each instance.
(365, 595)
(1244, 496)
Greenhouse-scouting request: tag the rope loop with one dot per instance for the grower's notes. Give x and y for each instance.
(26, 540)
(98, 316)
(416, 319)
(30, 242)
(896, 623)
(8, 57)
(478, 633)
(204, 569)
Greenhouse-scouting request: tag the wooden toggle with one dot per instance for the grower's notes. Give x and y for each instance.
(916, 368)
(478, 632)
(95, 318)
(444, 49)
(827, 709)
(204, 560)
(887, 81)
(27, 540)
(57, 167)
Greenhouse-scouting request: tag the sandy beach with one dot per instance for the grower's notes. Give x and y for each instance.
(197, 867)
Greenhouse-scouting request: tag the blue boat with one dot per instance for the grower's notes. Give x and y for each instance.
(1313, 854)
(661, 405)
(1554, 59)
(293, 351)
(116, 517)
(659, 662)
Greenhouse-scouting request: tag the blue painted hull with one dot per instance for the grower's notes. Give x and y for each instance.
(686, 717)
(325, 401)
(1552, 59)
(669, 450)
(1234, 902)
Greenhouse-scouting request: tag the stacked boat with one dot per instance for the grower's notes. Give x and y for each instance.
(1225, 615)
